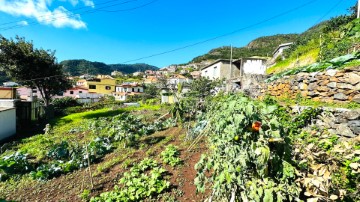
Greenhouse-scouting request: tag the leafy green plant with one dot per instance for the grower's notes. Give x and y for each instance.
(145, 180)
(171, 155)
(250, 153)
(16, 163)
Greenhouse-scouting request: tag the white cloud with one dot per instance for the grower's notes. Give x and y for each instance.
(88, 3)
(39, 9)
(23, 23)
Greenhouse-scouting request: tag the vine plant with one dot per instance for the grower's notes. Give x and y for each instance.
(250, 153)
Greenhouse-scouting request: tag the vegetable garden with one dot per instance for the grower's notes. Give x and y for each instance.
(237, 149)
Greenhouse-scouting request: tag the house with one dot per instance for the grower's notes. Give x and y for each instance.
(280, 49)
(116, 73)
(171, 95)
(172, 68)
(10, 84)
(7, 122)
(138, 73)
(126, 90)
(219, 69)
(246, 74)
(102, 84)
(253, 65)
(7, 93)
(151, 80)
(81, 94)
(149, 72)
(177, 78)
(195, 74)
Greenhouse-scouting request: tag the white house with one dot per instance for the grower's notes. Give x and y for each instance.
(7, 122)
(176, 79)
(217, 70)
(122, 92)
(254, 65)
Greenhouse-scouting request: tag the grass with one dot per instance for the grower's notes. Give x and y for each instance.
(290, 63)
(312, 103)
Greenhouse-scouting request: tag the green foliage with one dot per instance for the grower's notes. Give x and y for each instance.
(80, 67)
(85, 195)
(335, 63)
(16, 163)
(263, 46)
(254, 166)
(171, 155)
(24, 63)
(145, 180)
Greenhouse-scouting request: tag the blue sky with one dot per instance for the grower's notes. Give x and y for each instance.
(91, 30)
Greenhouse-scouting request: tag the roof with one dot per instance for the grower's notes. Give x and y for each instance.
(283, 45)
(216, 61)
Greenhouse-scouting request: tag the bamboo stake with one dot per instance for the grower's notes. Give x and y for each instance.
(89, 166)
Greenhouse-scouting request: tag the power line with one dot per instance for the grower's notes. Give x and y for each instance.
(43, 16)
(34, 22)
(113, 11)
(83, 13)
(329, 11)
(224, 35)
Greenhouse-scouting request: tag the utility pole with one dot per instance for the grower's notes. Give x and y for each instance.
(358, 9)
(321, 46)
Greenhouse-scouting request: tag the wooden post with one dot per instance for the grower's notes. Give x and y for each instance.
(89, 166)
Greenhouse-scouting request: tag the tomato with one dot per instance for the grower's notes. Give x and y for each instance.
(256, 126)
(236, 138)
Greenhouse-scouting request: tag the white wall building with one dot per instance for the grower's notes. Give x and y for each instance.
(7, 122)
(122, 92)
(218, 70)
(254, 66)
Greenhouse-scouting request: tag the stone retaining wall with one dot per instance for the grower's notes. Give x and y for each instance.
(328, 86)
(338, 121)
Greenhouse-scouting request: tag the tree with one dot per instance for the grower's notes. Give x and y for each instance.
(32, 67)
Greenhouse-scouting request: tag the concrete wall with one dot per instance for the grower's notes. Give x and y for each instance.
(254, 66)
(219, 70)
(7, 122)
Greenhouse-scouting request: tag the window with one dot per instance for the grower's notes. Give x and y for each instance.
(80, 92)
(138, 89)
(92, 86)
(108, 87)
(71, 92)
(132, 89)
(214, 72)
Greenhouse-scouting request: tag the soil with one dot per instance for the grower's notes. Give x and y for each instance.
(69, 187)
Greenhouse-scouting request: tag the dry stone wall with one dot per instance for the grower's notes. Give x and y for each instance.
(327, 86)
(337, 121)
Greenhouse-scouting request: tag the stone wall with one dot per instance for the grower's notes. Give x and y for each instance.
(342, 122)
(328, 86)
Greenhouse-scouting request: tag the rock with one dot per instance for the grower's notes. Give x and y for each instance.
(352, 78)
(345, 86)
(349, 92)
(331, 72)
(339, 74)
(344, 130)
(340, 96)
(351, 115)
(340, 120)
(356, 98)
(303, 86)
(312, 86)
(355, 126)
(324, 82)
(357, 87)
(332, 131)
(322, 89)
(331, 85)
(334, 79)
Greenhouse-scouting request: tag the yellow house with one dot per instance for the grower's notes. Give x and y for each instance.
(102, 84)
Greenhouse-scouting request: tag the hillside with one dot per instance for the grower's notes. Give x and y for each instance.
(79, 67)
(263, 46)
